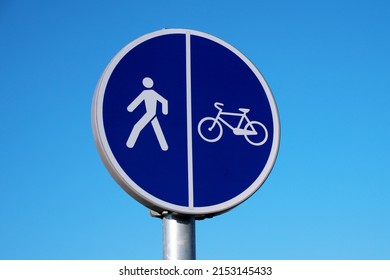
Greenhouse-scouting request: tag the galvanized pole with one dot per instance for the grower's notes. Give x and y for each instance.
(178, 237)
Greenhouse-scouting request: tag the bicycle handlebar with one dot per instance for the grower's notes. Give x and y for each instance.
(217, 105)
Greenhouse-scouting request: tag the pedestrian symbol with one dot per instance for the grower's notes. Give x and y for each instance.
(150, 97)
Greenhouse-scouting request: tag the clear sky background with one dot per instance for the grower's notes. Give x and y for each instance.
(328, 65)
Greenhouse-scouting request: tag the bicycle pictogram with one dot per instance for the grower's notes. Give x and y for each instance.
(210, 129)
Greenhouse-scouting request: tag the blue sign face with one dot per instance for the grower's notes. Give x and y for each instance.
(184, 122)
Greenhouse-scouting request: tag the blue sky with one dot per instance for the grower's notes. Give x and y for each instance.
(327, 63)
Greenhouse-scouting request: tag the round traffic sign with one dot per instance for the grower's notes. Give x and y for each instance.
(185, 123)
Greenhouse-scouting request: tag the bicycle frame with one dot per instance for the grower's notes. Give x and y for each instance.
(236, 130)
(245, 127)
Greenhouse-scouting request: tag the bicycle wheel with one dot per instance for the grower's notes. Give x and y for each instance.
(209, 131)
(261, 135)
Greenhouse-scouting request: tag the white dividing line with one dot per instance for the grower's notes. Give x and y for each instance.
(189, 122)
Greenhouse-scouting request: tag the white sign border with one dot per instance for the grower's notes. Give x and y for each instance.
(132, 187)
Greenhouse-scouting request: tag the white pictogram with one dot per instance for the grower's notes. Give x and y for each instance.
(210, 129)
(150, 97)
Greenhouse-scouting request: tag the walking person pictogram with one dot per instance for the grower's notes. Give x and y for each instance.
(150, 97)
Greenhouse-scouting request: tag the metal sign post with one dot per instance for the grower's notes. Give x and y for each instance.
(178, 237)
(186, 124)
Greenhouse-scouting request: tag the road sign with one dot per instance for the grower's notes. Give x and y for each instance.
(185, 123)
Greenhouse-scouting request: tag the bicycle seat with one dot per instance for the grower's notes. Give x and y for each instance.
(244, 110)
